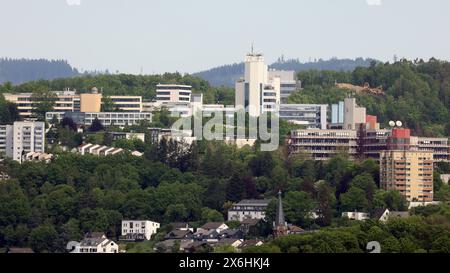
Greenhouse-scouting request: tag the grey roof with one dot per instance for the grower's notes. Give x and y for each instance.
(177, 234)
(254, 202)
(250, 222)
(212, 225)
(279, 220)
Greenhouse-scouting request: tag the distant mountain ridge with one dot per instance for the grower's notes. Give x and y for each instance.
(226, 75)
(19, 71)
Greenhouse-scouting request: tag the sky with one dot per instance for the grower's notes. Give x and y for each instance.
(157, 36)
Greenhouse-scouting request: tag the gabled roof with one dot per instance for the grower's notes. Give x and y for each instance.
(178, 234)
(212, 225)
(378, 213)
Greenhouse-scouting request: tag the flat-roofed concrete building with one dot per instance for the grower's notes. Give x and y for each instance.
(288, 82)
(409, 172)
(324, 144)
(173, 93)
(106, 118)
(70, 101)
(127, 103)
(313, 116)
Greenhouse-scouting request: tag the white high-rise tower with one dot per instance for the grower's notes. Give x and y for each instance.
(255, 92)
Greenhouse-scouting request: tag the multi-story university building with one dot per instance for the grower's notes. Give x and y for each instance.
(367, 143)
(257, 93)
(70, 101)
(313, 116)
(21, 138)
(173, 93)
(324, 144)
(289, 83)
(106, 118)
(409, 172)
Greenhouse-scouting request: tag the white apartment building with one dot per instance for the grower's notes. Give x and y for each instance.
(173, 93)
(139, 229)
(21, 138)
(256, 92)
(248, 209)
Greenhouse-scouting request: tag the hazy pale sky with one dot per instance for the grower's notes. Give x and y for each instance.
(193, 35)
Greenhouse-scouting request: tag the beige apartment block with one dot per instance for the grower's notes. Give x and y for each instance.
(409, 172)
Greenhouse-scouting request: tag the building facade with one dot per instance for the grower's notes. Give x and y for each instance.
(256, 93)
(248, 209)
(21, 138)
(70, 101)
(288, 83)
(173, 93)
(313, 116)
(106, 118)
(409, 172)
(324, 144)
(139, 229)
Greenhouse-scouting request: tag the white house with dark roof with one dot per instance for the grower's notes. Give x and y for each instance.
(216, 226)
(96, 243)
(248, 209)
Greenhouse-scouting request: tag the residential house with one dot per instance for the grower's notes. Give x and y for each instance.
(179, 235)
(217, 226)
(207, 235)
(138, 230)
(231, 234)
(381, 215)
(229, 242)
(96, 243)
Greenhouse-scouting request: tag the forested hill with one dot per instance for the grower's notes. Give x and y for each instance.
(416, 92)
(226, 75)
(19, 71)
